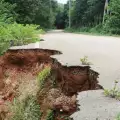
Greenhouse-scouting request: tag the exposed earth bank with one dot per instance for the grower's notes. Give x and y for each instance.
(16, 65)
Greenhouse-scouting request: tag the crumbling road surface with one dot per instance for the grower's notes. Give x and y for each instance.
(103, 52)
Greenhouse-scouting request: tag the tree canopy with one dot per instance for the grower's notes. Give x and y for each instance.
(49, 13)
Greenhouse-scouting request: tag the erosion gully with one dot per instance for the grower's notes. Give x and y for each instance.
(69, 80)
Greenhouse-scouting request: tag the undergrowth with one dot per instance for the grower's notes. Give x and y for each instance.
(17, 34)
(42, 76)
(28, 109)
(97, 30)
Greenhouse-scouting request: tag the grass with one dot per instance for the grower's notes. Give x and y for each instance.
(85, 61)
(28, 109)
(90, 31)
(114, 92)
(42, 76)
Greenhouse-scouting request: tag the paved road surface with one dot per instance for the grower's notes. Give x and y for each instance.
(103, 52)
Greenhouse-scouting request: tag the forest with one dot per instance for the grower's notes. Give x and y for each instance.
(87, 15)
(33, 16)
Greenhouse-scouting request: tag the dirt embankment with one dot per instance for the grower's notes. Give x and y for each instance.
(68, 80)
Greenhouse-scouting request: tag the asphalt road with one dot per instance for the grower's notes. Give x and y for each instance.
(102, 51)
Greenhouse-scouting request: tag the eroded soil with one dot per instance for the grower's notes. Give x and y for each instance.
(19, 66)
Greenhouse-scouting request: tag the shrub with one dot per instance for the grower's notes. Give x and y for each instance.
(43, 75)
(98, 29)
(23, 34)
(5, 38)
(27, 109)
(17, 34)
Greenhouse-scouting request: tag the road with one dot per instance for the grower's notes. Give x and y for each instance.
(102, 51)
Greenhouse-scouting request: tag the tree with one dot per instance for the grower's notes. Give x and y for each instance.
(7, 13)
(94, 12)
(41, 12)
(112, 23)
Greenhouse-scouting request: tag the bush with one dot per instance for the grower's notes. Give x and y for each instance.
(23, 34)
(97, 29)
(5, 38)
(17, 34)
(27, 109)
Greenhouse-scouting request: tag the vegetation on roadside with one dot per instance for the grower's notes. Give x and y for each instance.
(17, 34)
(114, 92)
(12, 33)
(42, 76)
(99, 17)
(85, 61)
(118, 117)
(28, 109)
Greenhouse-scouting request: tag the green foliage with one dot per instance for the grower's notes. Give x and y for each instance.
(113, 93)
(50, 115)
(7, 13)
(5, 38)
(85, 13)
(17, 34)
(23, 34)
(27, 109)
(118, 117)
(41, 12)
(87, 16)
(112, 23)
(85, 61)
(42, 76)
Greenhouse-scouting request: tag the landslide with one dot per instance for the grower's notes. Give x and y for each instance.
(68, 80)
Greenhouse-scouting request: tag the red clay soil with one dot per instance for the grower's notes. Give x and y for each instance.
(69, 80)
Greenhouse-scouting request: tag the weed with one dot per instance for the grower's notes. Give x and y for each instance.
(113, 93)
(85, 61)
(118, 117)
(28, 109)
(42, 76)
(50, 115)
